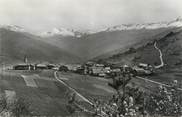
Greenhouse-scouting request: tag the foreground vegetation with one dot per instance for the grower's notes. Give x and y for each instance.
(18, 107)
(132, 101)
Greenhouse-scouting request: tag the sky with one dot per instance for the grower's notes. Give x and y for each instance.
(43, 15)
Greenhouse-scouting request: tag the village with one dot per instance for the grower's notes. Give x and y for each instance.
(129, 100)
(90, 58)
(90, 68)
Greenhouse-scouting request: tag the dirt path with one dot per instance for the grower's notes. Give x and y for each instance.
(78, 94)
(161, 56)
(155, 82)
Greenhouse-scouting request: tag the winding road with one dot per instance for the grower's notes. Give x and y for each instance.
(161, 56)
(72, 89)
(77, 93)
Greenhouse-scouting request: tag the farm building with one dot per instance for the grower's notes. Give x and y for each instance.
(143, 69)
(24, 67)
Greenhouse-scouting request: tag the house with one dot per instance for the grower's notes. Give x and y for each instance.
(107, 69)
(81, 69)
(126, 69)
(99, 65)
(51, 66)
(96, 70)
(63, 68)
(73, 67)
(24, 67)
(102, 74)
(116, 70)
(89, 63)
(143, 69)
(41, 66)
(145, 66)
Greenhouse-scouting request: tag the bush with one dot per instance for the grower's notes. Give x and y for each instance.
(20, 107)
(17, 108)
(3, 103)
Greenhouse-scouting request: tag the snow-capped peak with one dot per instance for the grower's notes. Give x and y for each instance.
(179, 19)
(13, 28)
(175, 23)
(60, 31)
(70, 32)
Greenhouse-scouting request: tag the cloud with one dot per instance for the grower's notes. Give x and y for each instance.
(39, 15)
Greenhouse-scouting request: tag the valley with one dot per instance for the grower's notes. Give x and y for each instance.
(68, 73)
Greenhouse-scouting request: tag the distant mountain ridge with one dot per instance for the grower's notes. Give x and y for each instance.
(75, 33)
(62, 32)
(78, 33)
(171, 24)
(13, 28)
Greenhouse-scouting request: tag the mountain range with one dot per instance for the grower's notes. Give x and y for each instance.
(71, 32)
(68, 45)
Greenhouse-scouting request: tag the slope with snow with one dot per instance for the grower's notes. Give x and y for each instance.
(13, 28)
(151, 26)
(62, 32)
(171, 24)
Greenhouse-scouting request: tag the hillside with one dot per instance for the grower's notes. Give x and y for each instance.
(106, 42)
(93, 45)
(170, 44)
(68, 45)
(16, 45)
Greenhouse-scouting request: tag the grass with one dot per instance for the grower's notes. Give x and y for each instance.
(88, 85)
(167, 76)
(51, 97)
(46, 100)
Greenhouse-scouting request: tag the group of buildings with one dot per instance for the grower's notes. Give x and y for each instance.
(94, 69)
(103, 70)
(89, 68)
(35, 66)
